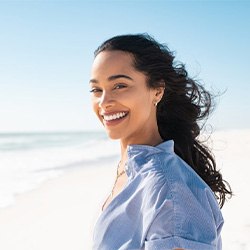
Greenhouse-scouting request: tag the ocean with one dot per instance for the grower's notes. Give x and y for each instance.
(29, 159)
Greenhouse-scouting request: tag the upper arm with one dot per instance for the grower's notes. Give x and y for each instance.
(185, 222)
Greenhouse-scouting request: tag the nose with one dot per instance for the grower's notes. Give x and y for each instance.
(106, 100)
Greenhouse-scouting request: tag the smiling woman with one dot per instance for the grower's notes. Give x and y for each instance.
(120, 89)
(164, 196)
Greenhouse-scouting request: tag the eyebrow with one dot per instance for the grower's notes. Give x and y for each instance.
(112, 78)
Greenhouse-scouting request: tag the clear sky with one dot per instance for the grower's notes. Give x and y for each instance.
(46, 51)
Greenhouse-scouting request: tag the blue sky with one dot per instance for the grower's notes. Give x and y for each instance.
(46, 51)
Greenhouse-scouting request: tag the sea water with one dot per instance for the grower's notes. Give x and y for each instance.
(29, 159)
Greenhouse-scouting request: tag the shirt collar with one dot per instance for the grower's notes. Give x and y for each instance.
(137, 154)
(167, 146)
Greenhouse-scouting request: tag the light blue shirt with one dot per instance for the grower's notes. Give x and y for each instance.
(164, 205)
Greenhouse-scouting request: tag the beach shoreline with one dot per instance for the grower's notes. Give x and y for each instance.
(61, 213)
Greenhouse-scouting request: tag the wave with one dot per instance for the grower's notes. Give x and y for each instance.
(27, 160)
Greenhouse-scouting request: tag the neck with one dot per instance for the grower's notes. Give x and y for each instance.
(152, 139)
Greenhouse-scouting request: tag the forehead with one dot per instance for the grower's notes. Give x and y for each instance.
(111, 62)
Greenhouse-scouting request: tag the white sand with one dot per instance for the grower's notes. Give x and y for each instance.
(62, 212)
(58, 215)
(232, 150)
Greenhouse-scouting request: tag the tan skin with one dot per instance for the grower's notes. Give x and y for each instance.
(129, 93)
(117, 87)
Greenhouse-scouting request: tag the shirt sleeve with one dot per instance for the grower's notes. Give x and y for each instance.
(174, 242)
(186, 220)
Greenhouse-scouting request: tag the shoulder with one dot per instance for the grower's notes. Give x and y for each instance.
(178, 181)
(167, 179)
(185, 206)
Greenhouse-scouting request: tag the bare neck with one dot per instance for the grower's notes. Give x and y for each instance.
(151, 140)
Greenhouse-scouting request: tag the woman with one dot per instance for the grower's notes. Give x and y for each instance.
(164, 196)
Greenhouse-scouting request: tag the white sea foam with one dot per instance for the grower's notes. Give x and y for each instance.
(27, 160)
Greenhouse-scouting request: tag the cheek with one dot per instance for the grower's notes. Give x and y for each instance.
(95, 106)
(143, 101)
(141, 109)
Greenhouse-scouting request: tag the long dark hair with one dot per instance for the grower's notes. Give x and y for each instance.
(184, 104)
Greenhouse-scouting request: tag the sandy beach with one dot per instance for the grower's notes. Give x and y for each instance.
(58, 215)
(61, 213)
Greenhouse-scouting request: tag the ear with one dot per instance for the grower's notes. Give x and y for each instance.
(159, 91)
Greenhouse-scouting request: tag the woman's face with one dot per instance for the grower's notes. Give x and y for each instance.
(120, 97)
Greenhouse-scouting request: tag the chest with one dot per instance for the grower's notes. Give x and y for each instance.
(117, 188)
(122, 224)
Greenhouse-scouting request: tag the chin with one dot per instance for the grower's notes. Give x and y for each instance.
(112, 135)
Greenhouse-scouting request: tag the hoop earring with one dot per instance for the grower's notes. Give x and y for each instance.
(156, 104)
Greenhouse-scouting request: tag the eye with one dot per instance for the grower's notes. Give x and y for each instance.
(95, 90)
(120, 86)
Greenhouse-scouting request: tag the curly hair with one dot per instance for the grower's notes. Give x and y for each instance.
(184, 104)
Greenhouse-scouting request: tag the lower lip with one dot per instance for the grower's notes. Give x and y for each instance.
(115, 122)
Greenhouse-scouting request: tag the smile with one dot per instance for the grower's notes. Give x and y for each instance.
(115, 116)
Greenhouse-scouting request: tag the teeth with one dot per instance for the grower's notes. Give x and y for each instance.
(113, 117)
